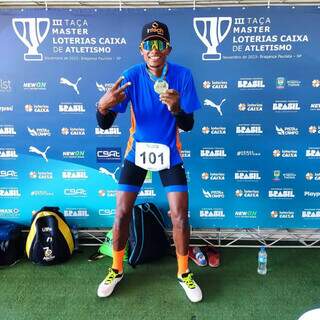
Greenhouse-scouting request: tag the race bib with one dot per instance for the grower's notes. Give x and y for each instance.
(152, 156)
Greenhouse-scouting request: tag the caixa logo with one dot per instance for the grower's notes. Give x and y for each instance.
(108, 154)
(285, 153)
(312, 176)
(282, 214)
(240, 193)
(215, 176)
(250, 107)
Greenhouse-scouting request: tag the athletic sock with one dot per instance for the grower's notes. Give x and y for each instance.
(117, 262)
(182, 264)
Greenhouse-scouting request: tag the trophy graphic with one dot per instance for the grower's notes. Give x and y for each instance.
(211, 35)
(30, 35)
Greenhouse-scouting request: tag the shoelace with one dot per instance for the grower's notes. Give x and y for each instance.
(110, 276)
(188, 280)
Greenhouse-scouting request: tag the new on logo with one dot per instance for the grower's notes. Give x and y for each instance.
(208, 29)
(31, 34)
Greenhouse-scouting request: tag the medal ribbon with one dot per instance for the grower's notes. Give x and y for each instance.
(154, 78)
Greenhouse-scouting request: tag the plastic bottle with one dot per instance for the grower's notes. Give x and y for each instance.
(74, 230)
(199, 256)
(262, 261)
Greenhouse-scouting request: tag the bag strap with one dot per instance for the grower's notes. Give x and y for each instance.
(135, 234)
(142, 236)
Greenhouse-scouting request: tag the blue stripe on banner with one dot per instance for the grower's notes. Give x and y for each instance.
(177, 188)
(128, 187)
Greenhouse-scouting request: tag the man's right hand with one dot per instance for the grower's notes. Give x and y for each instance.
(113, 97)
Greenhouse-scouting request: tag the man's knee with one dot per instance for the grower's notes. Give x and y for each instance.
(125, 202)
(179, 208)
(180, 218)
(123, 214)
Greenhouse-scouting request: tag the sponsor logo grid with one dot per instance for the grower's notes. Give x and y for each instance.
(247, 120)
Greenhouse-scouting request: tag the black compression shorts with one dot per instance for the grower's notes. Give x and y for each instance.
(132, 178)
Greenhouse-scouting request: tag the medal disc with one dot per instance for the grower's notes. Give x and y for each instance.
(161, 86)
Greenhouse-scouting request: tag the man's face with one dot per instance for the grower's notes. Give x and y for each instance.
(155, 58)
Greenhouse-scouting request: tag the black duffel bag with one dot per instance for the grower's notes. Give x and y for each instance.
(11, 243)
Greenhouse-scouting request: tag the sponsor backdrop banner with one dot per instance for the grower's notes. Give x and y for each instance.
(253, 157)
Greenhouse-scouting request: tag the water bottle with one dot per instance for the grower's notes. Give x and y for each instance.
(199, 256)
(262, 261)
(74, 230)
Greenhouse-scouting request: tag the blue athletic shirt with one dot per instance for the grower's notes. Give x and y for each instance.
(151, 121)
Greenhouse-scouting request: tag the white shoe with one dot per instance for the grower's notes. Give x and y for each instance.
(190, 287)
(107, 286)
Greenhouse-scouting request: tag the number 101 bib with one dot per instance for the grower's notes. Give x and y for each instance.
(152, 156)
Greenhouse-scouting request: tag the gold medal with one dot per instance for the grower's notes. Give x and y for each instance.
(161, 86)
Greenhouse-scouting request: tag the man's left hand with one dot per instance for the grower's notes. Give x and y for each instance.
(172, 99)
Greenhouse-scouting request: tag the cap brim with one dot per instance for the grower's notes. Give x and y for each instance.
(155, 37)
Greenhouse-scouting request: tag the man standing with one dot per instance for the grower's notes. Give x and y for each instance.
(163, 98)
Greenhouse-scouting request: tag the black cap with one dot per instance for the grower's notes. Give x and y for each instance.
(155, 30)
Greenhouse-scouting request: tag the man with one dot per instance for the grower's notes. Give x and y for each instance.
(163, 99)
